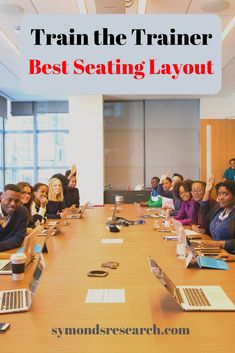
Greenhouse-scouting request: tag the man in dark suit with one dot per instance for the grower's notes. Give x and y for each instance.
(13, 218)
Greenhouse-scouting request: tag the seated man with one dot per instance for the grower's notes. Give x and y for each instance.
(13, 218)
(155, 200)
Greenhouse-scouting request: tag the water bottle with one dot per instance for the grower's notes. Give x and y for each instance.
(167, 222)
(181, 245)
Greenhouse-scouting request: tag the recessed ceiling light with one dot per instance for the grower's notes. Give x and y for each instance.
(215, 5)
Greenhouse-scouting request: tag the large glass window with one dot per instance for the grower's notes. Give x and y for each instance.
(19, 150)
(51, 149)
(34, 147)
(14, 175)
(52, 122)
(19, 123)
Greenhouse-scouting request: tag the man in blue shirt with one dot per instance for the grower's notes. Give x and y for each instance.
(229, 173)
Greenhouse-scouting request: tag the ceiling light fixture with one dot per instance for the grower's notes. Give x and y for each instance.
(9, 42)
(128, 3)
(11, 9)
(228, 28)
(82, 7)
(215, 5)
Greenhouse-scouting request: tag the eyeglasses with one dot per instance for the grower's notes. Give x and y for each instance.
(26, 193)
(194, 191)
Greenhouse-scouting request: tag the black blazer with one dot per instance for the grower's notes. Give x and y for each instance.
(12, 236)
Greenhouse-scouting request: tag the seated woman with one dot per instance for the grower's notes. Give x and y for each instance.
(165, 187)
(176, 178)
(183, 190)
(38, 208)
(26, 200)
(221, 218)
(71, 193)
(55, 199)
(198, 193)
(155, 200)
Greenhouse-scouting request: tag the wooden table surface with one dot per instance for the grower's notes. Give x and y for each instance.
(60, 298)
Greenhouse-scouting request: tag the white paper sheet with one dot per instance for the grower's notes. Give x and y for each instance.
(105, 296)
(112, 241)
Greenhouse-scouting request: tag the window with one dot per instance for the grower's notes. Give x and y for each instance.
(32, 147)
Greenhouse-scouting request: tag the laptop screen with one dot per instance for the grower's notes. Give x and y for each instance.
(161, 276)
(37, 275)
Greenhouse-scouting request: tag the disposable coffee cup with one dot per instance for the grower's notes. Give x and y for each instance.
(119, 199)
(18, 265)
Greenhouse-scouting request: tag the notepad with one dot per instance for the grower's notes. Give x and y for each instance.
(112, 241)
(105, 296)
(208, 262)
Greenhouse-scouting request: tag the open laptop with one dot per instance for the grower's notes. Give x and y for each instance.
(141, 213)
(28, 249)
(57, 224)
(78, 214)
(17, 300)
(204, 261)
(195, 243)
(48, 244)
(193, 298)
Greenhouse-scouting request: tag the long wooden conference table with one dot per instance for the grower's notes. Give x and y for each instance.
(59, 302)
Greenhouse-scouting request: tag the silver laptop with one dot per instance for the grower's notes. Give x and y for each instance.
(79, 213)
(141, 213)
(57, 224)
(47, 233)
(17, 300)
(28, 249)
(193, 298)
(195, 243)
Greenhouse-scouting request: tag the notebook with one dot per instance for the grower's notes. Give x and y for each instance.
(79, 213)
(141, 213)
(193, 298)
(18, 300)
(28, 249)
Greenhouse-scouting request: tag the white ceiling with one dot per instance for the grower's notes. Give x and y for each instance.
(9, 55)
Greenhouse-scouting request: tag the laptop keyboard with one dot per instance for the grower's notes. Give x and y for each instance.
(14, 300)
(195, 244)
(179, 296)
(7, 267)
(196, 297)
